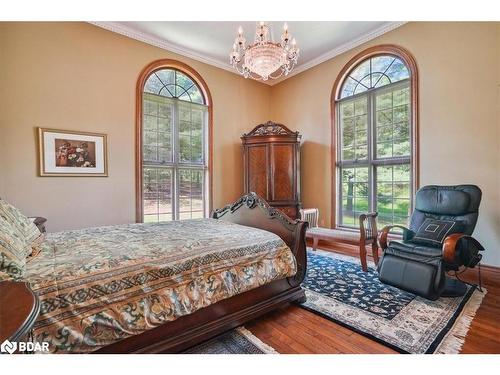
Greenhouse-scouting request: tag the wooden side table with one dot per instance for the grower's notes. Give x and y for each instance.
(19, 309)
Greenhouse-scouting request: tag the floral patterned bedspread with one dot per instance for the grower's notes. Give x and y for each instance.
(100, 285)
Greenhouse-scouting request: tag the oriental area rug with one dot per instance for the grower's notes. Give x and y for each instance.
(338, 290)
(237, 341)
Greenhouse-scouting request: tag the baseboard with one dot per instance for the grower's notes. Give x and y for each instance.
(353, 250)
(490, 268)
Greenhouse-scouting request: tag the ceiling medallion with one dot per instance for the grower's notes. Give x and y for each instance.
(264, 58)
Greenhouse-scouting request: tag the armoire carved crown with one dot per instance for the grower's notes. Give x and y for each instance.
(270, 128)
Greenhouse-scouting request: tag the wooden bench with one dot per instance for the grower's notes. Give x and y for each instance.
(367, 234)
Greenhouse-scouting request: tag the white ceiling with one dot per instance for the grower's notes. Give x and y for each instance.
(211, 42)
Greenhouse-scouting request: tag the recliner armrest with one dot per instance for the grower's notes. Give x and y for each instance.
(407, 234)
(451, 247)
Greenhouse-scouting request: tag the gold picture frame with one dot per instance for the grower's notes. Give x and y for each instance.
(68, 153)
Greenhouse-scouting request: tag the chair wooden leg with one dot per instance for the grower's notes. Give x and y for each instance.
(375, 252)
(315, 243)
(362, 257)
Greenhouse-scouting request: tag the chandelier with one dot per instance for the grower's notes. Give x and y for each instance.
(264, 58)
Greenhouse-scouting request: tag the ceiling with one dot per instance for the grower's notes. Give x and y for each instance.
(211, 42)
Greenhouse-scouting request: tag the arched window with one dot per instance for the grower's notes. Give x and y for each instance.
(173, 142)
(375, 126)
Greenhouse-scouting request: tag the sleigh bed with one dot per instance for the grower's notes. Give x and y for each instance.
(146, 288)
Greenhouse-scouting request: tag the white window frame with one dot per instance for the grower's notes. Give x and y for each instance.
(372, 162)
(176, 165)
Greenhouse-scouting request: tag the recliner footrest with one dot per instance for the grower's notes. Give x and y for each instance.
(414, 256)
(421, 278)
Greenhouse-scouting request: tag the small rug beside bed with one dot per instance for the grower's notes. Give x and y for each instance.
(339, 290)
(237, 341)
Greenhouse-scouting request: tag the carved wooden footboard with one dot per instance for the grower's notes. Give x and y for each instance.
(189, 330)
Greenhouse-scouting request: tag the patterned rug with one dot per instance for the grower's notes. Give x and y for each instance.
(339, 290)
(237, 341)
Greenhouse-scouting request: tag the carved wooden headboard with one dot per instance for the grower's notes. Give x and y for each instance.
(253, 211)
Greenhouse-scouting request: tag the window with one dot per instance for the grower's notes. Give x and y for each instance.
(374, 118)
(174, 126)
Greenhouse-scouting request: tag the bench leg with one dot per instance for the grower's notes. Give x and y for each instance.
(315, 243)
(362, 257)
(375, 252)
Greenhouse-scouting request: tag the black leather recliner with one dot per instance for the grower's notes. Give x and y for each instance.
(418, 263)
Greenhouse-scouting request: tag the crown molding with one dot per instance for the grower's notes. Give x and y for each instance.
(341, 49)
(163, 44)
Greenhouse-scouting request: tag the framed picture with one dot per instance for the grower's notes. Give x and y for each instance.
(70, 153)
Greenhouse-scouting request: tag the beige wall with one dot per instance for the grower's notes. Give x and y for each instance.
(80, 77)
(459, 115)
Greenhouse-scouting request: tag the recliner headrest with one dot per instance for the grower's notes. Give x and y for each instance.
(448, 200)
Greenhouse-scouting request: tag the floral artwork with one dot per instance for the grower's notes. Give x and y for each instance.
(72, 153)
(75, 153)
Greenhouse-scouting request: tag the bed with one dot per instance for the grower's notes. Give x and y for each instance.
(153, 288)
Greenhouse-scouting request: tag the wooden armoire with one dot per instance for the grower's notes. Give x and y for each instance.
(271, 158)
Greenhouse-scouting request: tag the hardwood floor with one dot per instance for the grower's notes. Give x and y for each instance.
(295, 330)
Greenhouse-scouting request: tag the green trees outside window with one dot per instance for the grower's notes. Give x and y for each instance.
(374, 142)
(175, 120)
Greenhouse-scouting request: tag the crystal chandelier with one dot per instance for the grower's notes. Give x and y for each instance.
(264, 58)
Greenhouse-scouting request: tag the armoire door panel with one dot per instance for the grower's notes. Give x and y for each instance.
(283, 172)
(258, 170)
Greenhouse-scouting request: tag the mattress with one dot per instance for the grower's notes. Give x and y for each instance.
(100, 285)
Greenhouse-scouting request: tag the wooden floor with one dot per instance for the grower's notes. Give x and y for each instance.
(295, 330)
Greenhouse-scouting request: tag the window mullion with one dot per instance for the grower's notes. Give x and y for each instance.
(392, 161)
(175, 174)
(374, 151)
(204, 153)
(339, 165)
(371, 132)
